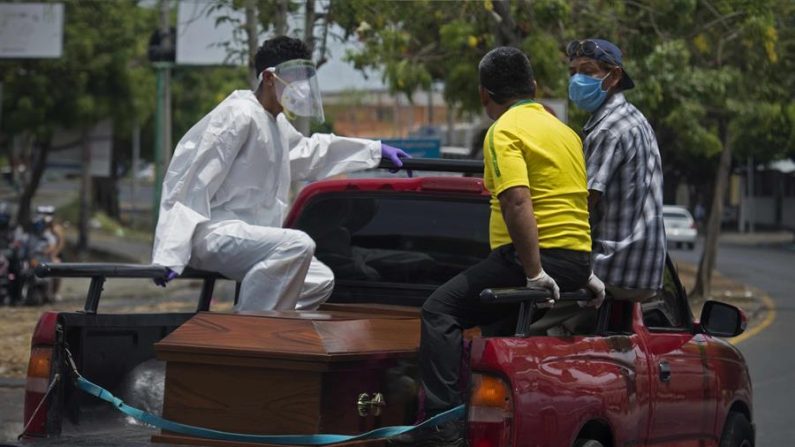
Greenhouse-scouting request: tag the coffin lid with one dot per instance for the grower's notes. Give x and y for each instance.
(322, 336)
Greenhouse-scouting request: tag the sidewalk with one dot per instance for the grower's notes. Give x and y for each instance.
(123, 249)
(105, 247)
(727, 290)
(758, 238)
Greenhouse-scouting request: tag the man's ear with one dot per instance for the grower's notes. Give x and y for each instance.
(485, 98)
(616, 73)
(267, 77)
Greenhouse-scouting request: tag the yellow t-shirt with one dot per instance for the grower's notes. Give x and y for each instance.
(528, 146)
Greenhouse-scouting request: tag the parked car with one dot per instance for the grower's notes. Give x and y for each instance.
(644, 374)
(680, 227)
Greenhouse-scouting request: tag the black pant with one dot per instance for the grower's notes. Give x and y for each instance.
(455, 306)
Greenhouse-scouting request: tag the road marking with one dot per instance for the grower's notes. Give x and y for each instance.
(770, 305)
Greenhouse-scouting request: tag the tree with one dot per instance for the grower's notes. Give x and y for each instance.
(714, 76)
(420, 42)
(708, 83)
(101, 74)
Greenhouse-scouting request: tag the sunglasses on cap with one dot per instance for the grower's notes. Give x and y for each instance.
(588, 48)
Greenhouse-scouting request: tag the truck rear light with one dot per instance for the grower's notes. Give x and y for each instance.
(39, 375)
(38, 381)
(44, 334)
(490, 416)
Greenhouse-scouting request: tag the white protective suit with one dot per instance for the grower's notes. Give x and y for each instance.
(225, 196)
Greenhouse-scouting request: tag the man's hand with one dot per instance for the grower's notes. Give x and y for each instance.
(394, 155)
(544, 281)
(162, 281)
(597, 287)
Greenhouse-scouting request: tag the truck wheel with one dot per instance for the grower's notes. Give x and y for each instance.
(737, 432)
(589, 443)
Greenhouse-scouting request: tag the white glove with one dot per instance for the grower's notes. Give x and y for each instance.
(597, 287)
(544, 281)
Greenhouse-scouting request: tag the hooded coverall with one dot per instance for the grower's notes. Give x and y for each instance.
(225, 196)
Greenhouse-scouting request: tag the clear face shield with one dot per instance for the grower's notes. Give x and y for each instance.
(297, 89)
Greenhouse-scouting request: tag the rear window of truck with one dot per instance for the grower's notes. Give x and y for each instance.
(397, 238)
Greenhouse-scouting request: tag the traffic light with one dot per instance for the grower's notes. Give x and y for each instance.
(158, 52)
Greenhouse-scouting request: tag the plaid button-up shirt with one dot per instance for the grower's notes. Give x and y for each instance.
(623, 163)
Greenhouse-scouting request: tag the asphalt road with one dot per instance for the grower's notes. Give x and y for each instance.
(12, 401)
(771, 353)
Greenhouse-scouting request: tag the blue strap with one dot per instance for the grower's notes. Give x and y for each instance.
(325, 439)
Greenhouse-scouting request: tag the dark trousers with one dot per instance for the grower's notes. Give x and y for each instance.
(455, 306)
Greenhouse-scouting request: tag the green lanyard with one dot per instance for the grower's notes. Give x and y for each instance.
(521, 103)
(490, 137)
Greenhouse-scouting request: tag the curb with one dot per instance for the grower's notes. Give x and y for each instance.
(12, 382)
(769, 306)
(103, 251)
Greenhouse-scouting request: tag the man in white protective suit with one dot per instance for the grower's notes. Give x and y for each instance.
(225, 194)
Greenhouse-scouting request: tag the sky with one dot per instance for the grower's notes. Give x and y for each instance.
(199, 37)
(336, 74)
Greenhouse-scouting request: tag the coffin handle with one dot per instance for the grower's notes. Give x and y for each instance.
(365, 405)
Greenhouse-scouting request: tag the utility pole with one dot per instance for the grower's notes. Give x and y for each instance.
(163, 112)
(302, 124)
(168, 42)
(1, 104)
(136, 161)
(280, 21)
(251, 31)
(430, 105)
(309, 25)
(750, 208)
(85, 193)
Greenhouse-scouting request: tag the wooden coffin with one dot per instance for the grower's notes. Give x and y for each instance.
(292, 372)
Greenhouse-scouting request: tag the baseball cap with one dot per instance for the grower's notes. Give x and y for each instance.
(603, 51)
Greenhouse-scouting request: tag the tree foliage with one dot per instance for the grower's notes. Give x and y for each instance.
(102, 74)
(420, 42)
(714, 77)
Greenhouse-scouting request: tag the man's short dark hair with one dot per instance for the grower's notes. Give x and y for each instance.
(280, 49)
(507, 74)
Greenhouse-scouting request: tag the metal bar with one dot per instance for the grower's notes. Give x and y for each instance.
(525, 318)
(88, 270)
(528, 299)
(237, 292)
(522, 294)
(206, 295)
(94, 294)
(437, 165)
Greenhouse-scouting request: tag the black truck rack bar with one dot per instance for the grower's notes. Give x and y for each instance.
(529, 299)
(100, 272)
(437, 165)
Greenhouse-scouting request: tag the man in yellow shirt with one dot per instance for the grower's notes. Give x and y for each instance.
(539, 231)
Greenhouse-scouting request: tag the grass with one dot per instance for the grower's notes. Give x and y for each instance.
(70, 215)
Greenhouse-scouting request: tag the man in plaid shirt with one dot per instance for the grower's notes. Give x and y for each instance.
(624, 174)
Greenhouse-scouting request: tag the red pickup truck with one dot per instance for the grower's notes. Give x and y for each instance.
(645, 375)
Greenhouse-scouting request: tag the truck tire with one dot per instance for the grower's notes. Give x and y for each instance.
(737, 432)
(589, 443)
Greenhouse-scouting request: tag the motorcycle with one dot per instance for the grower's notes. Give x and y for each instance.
(6, 277)
(35, 291)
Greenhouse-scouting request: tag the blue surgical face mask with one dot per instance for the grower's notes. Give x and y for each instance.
(586, 91)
